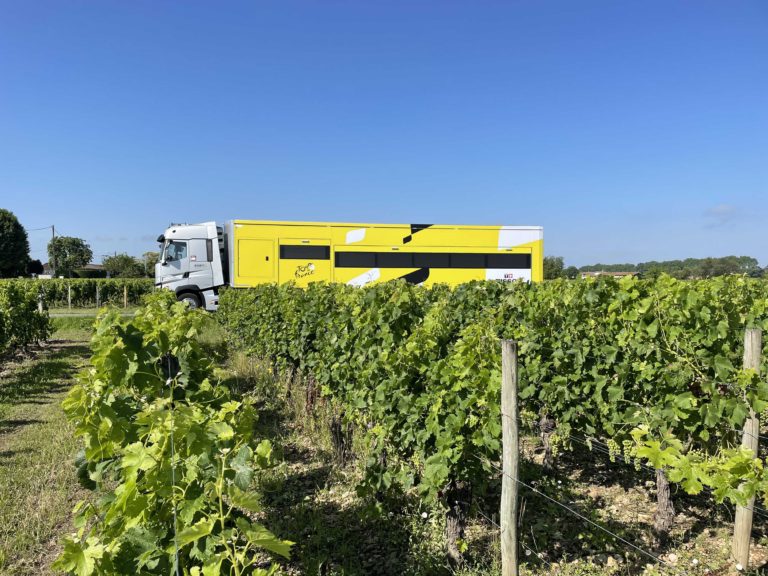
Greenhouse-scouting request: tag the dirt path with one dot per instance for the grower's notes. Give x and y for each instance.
(38, 485)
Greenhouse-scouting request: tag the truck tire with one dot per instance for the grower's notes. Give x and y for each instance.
(192, 299)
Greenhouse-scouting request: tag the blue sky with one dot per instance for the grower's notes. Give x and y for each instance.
(630, 130)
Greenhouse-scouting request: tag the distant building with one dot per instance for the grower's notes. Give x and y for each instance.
(87, 271)
(603, 273)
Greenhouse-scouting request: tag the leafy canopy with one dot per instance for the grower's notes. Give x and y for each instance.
(170, 451)
(67, 253)
(123, 266)
(14, 246)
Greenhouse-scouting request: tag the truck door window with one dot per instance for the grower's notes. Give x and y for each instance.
(176, 251)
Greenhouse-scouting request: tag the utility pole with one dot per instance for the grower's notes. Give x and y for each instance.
(52, 263)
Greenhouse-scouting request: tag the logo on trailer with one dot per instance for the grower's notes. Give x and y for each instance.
(304, 270)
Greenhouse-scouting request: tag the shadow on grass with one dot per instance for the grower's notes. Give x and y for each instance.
(11, 425)
(36, 381)
(4, 454)
(334, 538)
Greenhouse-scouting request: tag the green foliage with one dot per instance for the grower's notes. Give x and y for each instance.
(604, 357)
(67, 253)
(123, 266)
(171, 452)
(14, 246)
(148, 261)
(83, 290)
(21, 324)
(571, 273)
(554, 267)
(406, 364)
(35, 267)
(417, 369)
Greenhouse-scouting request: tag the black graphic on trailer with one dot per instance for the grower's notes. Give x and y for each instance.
(415, 228)
(417, 276)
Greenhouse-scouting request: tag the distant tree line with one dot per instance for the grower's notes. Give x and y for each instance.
(67, 255)
(689, 268)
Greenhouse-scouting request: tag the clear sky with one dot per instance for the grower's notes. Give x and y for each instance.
(630, 130)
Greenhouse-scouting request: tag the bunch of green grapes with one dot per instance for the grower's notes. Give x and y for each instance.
(613, 449)
(630, 453)
(528, 418)
(556, 443)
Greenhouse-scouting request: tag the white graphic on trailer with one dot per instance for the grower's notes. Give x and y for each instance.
(365, 278)
(511, 236)
(355, 235)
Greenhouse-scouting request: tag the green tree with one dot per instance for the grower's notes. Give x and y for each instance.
(68, 253)
(123, 266)
(149, 261)
(35, 267)
(553, 267)
(14, 246)
(571, 272)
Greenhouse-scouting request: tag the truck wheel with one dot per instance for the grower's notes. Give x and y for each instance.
(191, 299)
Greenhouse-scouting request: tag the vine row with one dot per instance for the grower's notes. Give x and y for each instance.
(81, 292)
(653, 366)
(21, 324)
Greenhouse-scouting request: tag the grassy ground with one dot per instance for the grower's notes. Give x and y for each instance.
(85, 312)
(38, 486)
(311, 498)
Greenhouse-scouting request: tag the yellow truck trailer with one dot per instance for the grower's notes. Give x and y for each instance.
(198, 259)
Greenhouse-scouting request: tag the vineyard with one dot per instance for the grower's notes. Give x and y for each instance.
(650, 369)
(21, 324)
(85, 292)
(186, 470)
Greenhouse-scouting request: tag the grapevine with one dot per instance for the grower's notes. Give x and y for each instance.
(162, 436)
(82, 292)
(417, 369)
(21, 322)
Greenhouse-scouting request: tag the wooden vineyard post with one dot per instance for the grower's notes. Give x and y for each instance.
(69, 296)
(125, 296)
(97, 296)
(742, 530)
(510, 458)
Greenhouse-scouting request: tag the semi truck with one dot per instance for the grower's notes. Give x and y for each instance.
(197, 260)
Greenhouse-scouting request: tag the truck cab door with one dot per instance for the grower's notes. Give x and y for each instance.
(304, 260)
(176, 261)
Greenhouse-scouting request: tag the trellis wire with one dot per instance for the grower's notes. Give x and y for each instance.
(584, 518)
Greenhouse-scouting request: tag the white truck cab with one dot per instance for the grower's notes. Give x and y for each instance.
(191, 263)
